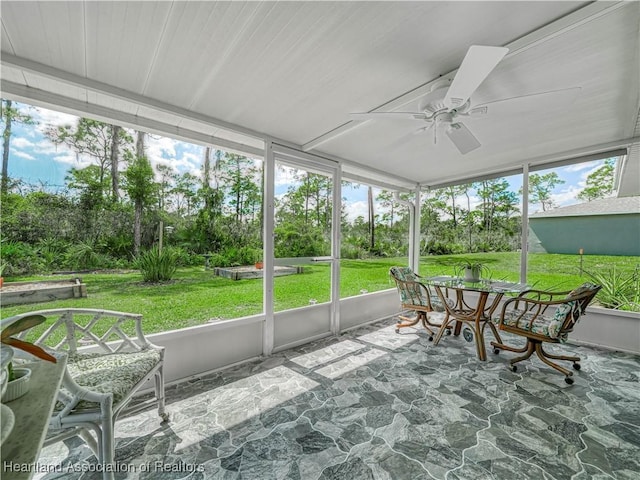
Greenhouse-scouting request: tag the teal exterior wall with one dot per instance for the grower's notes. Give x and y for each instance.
(597, 234)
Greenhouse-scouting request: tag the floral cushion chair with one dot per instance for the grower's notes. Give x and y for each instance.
(417, 297)
(544, 317)
(105, 368)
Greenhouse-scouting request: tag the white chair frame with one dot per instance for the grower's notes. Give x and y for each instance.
(68, 422)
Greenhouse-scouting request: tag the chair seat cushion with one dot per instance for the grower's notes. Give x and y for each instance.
(545, 325)
(437, 305)
(422, 301)
(115, 373)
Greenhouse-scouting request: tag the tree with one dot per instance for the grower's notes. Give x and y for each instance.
(540, 188)
(387, 201)
(10, 115)
(140, 187)
(599, 183)
(89, 183)
(98, 140)
(185, 194)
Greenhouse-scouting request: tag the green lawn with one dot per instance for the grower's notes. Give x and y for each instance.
(196, 296)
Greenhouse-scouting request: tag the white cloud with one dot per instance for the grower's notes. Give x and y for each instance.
(578, 167)
(69, 158)
(586, 173)
(24, 155)
(49, 118)
(567, 196)
(160, 147)
(285, 176)
(21, 142)
(356, 209)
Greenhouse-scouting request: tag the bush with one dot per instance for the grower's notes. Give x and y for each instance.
(436, 247)
(232, 256)
(19, 259)
(82, 256)
(157, 266)
(620, 290)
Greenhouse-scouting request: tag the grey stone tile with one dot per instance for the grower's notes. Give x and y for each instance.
(373, 404)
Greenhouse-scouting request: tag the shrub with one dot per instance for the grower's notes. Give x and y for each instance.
(82, 255)
(185, 258)
(19, 258)
(157, 266)
(51, 252)
(620, 290)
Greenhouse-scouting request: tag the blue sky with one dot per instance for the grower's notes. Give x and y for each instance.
(35, 160)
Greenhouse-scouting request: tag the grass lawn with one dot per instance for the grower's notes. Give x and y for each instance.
(196, 296)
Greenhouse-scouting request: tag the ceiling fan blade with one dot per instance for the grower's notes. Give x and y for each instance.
(527, 103)
(476, 66)
(462, 138)
(392, 115)
(424, 129)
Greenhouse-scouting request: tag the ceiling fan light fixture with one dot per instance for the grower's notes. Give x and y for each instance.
(462, 138)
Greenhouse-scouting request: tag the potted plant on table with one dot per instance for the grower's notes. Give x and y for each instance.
(18, 378)
(471, 271)
(468, 268)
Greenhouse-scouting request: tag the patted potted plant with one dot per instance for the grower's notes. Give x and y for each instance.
(468, 268)
(471, 271)
(258, 260)
(18, 378)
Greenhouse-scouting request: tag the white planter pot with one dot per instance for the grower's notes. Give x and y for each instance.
(472, 274)
(19, 386)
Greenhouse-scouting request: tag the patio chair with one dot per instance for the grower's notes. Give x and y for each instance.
(531, 315)
(105, 368)
(417, 297)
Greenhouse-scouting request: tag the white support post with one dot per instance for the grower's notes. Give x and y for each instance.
(525, 223)
(335, 250)
(268, 247)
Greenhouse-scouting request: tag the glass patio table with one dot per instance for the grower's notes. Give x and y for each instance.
(475, 313)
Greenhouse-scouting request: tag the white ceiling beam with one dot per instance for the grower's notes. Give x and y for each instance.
(136, 99)
(564, 157)
(89, 84)
(45, 99)
(558, 27)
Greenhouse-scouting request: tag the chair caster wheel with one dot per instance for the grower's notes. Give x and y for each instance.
(448, 332)
(496, 351)
(431, 338)
(514, 368)
(398, 321)
(468, 335)
(164, 417)
(569, 380)
(397, 330)
(576, 366)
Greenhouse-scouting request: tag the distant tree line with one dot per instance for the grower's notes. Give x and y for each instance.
(110, 211)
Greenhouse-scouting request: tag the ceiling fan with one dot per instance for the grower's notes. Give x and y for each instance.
(449, 101)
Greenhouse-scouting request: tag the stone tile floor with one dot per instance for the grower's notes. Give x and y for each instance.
(373, 404)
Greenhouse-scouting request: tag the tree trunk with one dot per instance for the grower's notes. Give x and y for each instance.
(115, 179)
(137, 221)
(372, 228)
(137, 230)
(206, 178)
(6, 137)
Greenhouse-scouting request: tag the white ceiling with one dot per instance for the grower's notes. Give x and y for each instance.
(236, 73)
